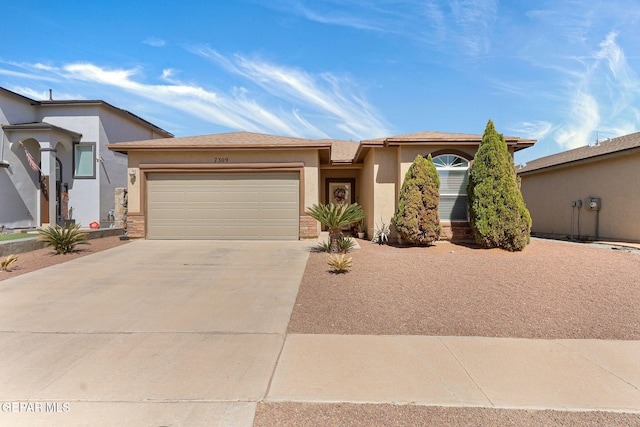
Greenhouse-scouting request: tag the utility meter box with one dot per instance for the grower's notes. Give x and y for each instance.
(594, 203)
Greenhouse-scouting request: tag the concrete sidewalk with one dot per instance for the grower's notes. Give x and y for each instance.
(460, 371)
(194, 333)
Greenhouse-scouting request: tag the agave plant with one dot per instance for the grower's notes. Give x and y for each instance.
(334, 217)
(10, 259)
(63, 239)
(340, 263)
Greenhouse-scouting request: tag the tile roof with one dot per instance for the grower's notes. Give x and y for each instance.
(232, 140)
(610, 146)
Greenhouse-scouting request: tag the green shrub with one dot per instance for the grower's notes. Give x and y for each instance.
(63, 239)
(497, 213)
(417, 219)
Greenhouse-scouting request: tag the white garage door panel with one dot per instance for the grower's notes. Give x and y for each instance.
(242, 206)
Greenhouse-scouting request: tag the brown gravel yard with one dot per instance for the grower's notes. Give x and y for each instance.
(550, 290)
(355, 415)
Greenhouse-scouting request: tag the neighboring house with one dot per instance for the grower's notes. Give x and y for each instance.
(252, 186)
(73, 175)
(587, 193)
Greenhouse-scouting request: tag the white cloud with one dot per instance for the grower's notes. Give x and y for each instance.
(474, 20)
(325, 94)
(601, 97)
(155, 42)
(455, 27)
(533, 130)
(269, 99)
(584, 118)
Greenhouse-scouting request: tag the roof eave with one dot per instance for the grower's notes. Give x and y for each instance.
(117, 110)
(124, 148)
(583, 160)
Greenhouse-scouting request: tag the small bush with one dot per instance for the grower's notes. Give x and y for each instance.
(323, 247)
(339, 263)
(346, 243)
(4, 265)
(63, 239)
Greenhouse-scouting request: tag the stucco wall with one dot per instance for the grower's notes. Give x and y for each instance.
(308, 157)
(92, 199)
(18, 205)
(548, 196)
(385, 184)
(365, 192)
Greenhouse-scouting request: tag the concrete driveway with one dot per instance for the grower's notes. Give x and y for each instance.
(149, 333)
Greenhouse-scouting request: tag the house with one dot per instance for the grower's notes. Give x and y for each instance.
(245, 185)
(54, 164)
(586, 193)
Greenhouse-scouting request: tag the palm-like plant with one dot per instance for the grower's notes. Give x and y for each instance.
(334, 217)
(63, 239)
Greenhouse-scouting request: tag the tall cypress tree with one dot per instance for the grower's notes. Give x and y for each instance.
(497, 213)
(417, 219)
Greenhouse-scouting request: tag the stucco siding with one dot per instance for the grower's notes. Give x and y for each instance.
(549, 194)
(366, 192)
(385, 179)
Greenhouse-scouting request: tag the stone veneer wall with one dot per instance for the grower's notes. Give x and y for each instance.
(135, 225)
(308, 227)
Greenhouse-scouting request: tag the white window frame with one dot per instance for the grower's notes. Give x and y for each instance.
(77, 158)
(450, 165)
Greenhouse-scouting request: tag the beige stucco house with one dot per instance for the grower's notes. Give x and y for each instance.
(586, 193)
(253, 186)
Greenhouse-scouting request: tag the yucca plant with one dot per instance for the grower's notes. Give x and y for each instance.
(63, 239)
(323, 247)
(340, 263)
(4, 265)
(335, 217)
(346, 243)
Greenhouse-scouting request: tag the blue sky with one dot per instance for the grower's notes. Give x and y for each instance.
(557, 71)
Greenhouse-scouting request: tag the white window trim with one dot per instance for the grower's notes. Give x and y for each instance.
(93, 160)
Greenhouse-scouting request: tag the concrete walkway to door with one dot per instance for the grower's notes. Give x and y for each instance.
(149, 333)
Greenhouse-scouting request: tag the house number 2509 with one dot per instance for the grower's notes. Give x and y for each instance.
(221, 160)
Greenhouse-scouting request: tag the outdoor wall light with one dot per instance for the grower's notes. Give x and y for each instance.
(132, 175)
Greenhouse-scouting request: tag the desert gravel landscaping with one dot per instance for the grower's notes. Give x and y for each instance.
(551, 290)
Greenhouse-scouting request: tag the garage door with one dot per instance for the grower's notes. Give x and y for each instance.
(231, 206)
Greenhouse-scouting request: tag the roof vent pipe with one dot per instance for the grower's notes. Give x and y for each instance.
(50, 94)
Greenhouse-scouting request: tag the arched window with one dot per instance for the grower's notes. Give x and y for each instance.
(454, 176)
